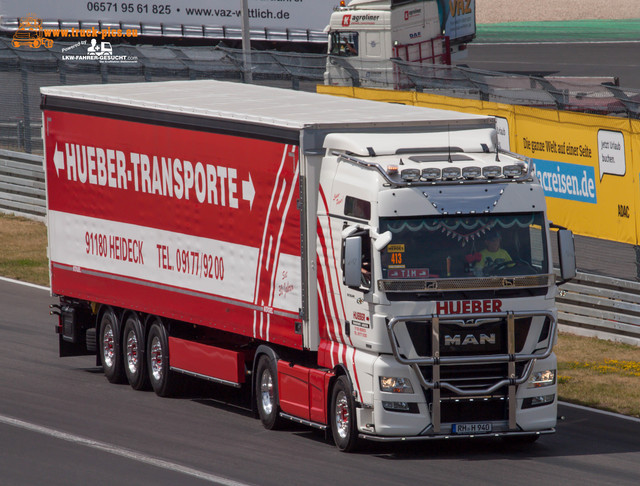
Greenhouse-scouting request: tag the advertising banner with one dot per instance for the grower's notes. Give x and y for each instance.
(459, 18)
(584, 165)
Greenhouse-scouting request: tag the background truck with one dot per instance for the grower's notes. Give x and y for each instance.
(365, 35)
(324, 253)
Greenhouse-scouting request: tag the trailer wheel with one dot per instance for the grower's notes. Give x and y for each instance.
(135, 366)
(110, 347)
(266, 393)
(343, 415)
(163, 380)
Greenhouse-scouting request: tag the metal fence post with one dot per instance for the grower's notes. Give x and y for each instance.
(25, 108)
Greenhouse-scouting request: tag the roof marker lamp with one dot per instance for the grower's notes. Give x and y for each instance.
(491, 171)
(431, 174)
(512, 171)
(471, 172)
(451, 173)
(410, 175)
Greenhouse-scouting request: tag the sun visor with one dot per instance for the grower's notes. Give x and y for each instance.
(367, 144)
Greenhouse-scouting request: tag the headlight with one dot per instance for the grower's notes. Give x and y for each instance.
(395, 385)
(542, 378)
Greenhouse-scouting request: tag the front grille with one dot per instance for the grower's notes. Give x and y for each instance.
(459, 339)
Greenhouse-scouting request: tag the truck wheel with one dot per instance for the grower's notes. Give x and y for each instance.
(110, 348)
(135, 366)
(342, 415)
(162, 379)
(266, 393)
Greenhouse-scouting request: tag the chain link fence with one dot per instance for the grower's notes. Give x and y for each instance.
(24, 70)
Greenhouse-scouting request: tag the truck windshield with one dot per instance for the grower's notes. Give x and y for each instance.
(465, 246)
(344, 44)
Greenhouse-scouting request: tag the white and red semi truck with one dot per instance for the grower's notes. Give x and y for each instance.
(325, 252)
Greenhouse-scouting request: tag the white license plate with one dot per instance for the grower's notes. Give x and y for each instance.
(482, 428)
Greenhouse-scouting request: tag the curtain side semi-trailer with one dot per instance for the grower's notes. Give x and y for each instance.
(331, 255)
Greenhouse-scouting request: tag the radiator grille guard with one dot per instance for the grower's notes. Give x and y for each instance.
(514, 368)
(436, 359)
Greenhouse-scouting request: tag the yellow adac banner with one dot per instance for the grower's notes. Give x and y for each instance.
(584, 163)
(634, 167)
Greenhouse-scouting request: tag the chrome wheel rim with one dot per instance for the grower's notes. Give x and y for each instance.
(342, 415)
(156, 358)
(266, 391)
(108, 346)
(132, 352)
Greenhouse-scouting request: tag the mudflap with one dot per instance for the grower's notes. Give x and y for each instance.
(76, 330)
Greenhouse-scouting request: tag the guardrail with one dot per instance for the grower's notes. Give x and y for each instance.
(22, 185)
(589, 305)
(603, 307)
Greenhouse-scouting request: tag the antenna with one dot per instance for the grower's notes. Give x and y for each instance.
(497, 151)
(449, 159)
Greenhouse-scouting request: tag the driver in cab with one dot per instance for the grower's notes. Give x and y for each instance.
(493, 256)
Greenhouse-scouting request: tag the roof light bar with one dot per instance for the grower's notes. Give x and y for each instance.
(451, 173)
(512, 171)
(492, 171)
(431, 174)
(410, 175)
(471, 172)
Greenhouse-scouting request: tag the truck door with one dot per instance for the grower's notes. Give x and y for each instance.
(357, 271)
(343, 47)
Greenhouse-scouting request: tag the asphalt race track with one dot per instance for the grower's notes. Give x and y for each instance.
(62, 423)
(588, 48)
(607, 59)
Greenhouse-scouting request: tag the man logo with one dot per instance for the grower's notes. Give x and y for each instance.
(469, 339)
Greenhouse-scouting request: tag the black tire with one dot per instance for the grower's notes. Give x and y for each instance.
(266, 394)
(110, 348)
(342, 416)
(162, 379)
(133, 343)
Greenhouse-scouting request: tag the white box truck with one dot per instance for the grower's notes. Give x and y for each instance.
(370, 40)
(336, 256)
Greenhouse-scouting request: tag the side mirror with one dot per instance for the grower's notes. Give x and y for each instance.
(352, 261)
(566, 255)
(382, 240)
